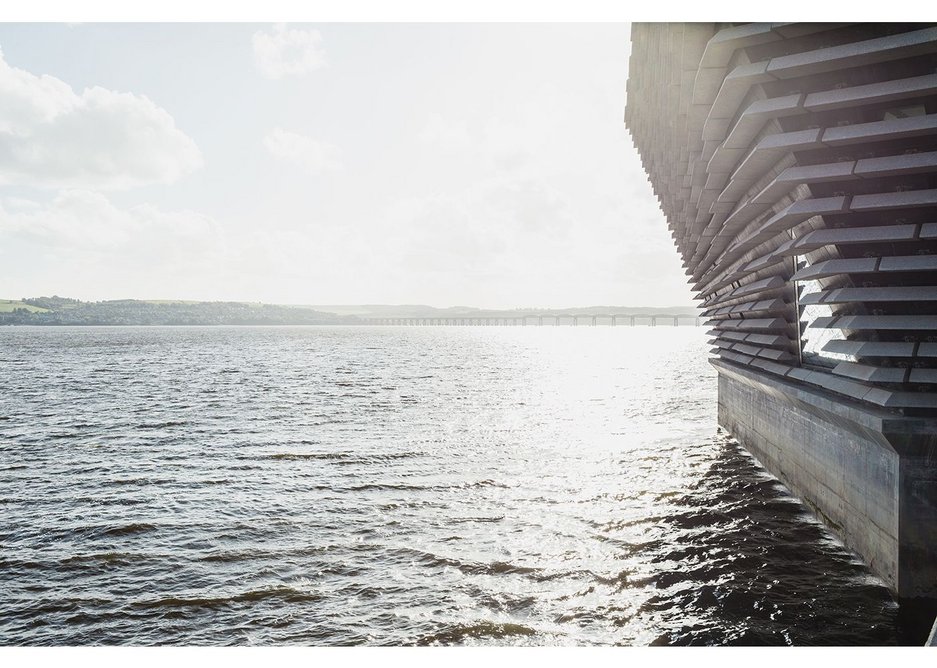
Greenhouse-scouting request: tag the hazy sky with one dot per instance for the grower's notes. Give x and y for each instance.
(445, 164)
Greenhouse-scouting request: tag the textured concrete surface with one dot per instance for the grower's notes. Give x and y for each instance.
(871, 477)
(795, 165)
(779, 159)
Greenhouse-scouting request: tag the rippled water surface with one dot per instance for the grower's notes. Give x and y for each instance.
(462, 485)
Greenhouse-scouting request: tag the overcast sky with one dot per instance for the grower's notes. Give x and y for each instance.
(475, 164)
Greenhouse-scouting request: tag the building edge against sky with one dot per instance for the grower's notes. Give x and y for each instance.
(796, 165)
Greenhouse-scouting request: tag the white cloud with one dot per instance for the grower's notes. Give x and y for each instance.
(450, 136)
(312, 155)
(523, 137)
(52, 137)
(525, 237)
(287, 51)
(499, 232)
(82, 220)
(82, 244)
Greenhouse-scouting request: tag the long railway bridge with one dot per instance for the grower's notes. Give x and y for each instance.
(540, 319)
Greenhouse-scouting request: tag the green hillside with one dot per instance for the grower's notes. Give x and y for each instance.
(10, 305)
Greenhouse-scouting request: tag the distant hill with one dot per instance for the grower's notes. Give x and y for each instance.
(57, 310)
(62, 311)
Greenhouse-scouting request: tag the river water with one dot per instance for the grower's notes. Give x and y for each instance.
(399, 486)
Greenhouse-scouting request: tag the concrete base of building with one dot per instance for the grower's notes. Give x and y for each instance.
(870, 475)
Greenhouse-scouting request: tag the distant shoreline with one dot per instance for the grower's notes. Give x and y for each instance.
(62, 311)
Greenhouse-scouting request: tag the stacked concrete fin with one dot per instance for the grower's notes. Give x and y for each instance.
(797, 168)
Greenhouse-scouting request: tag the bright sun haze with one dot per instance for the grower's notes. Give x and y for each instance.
(483, 165)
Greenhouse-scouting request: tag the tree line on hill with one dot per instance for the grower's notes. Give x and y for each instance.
(65, 311)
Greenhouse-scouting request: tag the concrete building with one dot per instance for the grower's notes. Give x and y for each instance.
(796, 165)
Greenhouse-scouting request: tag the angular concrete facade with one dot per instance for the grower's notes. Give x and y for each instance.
(796, 165)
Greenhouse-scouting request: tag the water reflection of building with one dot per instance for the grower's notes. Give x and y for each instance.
(797, 167)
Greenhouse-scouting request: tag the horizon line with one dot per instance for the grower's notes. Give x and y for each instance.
(348, 304)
